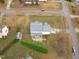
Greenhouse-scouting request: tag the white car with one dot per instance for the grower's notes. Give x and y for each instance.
(73, 50)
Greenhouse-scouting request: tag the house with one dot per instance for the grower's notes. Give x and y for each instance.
(46, 29)
(43, 0)
(4, 31)
(33, 2)
(38, 29)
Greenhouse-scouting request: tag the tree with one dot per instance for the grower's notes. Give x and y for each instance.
(35, 47)
(32, 2)
(36, 2)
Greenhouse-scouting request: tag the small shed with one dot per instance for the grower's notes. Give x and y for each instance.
(19, 35)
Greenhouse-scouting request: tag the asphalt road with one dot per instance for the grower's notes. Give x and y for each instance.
(6, 8)
(30, 11)
(72, 30)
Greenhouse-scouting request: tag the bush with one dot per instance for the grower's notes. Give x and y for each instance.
(35, 47)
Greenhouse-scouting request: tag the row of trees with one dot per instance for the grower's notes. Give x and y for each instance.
(35, 47)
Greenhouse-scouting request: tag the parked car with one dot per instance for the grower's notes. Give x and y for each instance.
(73, 50)
(42, 10)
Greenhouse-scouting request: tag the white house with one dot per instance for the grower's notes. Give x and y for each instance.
(43, 0)
(38, 29)
(4, 31)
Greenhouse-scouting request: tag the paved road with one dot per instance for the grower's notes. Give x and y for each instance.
(6, 8)
(30, 11)
(72, 30)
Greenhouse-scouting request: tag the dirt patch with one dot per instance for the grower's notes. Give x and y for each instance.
(75, 22)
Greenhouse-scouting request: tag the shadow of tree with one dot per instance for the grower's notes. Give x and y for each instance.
(8, 46)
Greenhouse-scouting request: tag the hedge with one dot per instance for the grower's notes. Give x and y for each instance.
(35, 47)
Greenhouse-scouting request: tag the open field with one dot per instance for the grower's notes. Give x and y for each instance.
(58, 45)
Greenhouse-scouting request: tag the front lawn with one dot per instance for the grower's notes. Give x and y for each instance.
(55, 20)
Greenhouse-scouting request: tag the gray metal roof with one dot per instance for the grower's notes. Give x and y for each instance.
(38, 28)
(46, 27)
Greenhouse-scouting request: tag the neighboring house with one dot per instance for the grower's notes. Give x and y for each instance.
(43, 0)
(33, 2)
(38, 29)
(4, 31)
